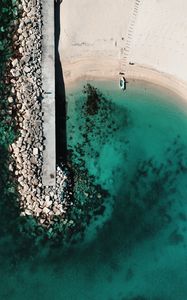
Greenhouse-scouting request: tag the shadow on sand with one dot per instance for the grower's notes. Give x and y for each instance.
(60, 96)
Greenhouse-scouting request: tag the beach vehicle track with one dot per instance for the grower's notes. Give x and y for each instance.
(124, 50)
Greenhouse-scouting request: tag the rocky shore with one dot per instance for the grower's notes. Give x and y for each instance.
(41, 202)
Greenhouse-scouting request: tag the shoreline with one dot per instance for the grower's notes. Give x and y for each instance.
(133, 73)
(156, 42)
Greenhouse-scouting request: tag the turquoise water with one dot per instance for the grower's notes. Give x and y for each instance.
(134, 148)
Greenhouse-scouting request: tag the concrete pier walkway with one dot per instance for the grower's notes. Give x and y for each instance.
(48, 102)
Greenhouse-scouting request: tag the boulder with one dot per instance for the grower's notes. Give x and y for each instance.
(26, 69)
(15, 62)
(35, 151)
(10, 99)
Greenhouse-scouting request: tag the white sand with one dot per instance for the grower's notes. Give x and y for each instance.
(155, 36)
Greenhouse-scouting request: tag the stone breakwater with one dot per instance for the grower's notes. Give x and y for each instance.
(41, 202)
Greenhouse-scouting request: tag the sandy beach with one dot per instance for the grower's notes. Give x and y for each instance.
(106, 37)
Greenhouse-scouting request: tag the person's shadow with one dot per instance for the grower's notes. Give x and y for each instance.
(60, 97)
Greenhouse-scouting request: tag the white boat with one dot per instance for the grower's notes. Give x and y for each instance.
(122, 83)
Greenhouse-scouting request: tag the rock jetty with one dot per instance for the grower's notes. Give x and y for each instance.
(41, 202)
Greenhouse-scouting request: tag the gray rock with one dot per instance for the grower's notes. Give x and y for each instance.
(20, 31)
(10, 100)
(25, 59)
(26, 69)
(15, 73)
(15, 62)
(21, 38)
(35, 151)
(25, 35)
(21, 50)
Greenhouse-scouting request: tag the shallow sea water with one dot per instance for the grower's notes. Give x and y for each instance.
(136, 249)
